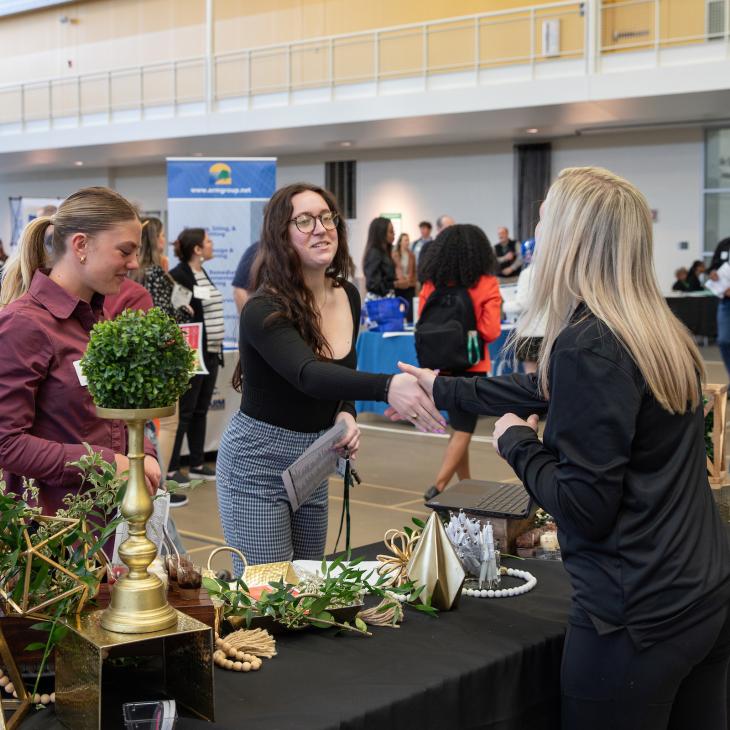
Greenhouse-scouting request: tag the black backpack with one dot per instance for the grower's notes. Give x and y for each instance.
(446, 332)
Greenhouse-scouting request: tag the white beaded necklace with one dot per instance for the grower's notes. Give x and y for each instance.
(530, 583)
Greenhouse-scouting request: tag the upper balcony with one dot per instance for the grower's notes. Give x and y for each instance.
(541, 56)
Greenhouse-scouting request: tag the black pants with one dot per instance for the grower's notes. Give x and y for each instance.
(194, 405)
(677, 684)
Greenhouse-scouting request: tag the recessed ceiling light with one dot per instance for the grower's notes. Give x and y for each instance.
(197, 154)
(532, 130)
(346, 143)
(79, 163)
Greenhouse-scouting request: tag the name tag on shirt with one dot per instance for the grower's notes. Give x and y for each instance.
(201, 292)
(82, 378)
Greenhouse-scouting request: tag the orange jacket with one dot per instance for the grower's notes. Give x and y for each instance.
(487, 307)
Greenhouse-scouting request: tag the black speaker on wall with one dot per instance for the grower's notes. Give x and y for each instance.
(340, 178)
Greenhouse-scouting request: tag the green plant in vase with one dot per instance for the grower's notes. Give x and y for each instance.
(137, 366)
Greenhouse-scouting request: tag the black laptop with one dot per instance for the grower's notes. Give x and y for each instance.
(491, 499)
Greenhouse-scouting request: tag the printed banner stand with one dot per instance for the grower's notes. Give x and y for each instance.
(226, 197)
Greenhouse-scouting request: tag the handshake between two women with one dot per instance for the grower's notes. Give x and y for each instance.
(410, 398)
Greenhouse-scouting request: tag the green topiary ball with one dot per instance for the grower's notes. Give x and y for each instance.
(138, 360)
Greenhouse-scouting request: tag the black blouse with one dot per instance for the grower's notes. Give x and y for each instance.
(283, 381)
(625, 480)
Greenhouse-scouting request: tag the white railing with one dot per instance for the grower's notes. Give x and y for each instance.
(530, 39)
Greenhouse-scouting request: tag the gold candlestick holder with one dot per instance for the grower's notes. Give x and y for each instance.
(138, 601)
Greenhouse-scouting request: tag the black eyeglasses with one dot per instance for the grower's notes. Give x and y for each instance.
(306, 223)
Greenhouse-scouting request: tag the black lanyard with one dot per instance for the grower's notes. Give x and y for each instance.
(350, 474)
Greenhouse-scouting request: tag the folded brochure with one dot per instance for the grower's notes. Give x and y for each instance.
(317, 463)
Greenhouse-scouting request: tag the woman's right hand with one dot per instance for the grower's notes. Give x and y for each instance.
(407, 397)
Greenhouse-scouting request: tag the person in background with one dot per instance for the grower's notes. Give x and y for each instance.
(3, 255)
(242, 278)
(529, 338)
(377, 262)
(462, 256)
(507, 254)
(47, 315)
(681, 284)
(194, 247)
(425, 229)
(694, 282)
(154, 278)
(405, 272)
(720, 257)
(298, 359)
(442, 223)
(621, 467)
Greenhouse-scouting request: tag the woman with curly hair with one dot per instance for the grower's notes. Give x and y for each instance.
(462, 257)
(297, 375)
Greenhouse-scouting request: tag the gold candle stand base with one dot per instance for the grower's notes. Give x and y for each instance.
(138, 601)
(186, 676)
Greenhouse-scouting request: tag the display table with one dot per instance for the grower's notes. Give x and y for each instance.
(697, 312)
(488, 664)
(379, 352)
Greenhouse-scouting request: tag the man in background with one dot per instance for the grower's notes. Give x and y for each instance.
(442, 222)
(507, 256)
(242, 279)
(425, 228)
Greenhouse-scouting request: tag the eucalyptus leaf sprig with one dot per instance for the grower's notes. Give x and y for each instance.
(341, 584)
(96, 506)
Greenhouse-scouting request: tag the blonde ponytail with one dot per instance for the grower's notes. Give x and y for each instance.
(29, 255)
(89, 211)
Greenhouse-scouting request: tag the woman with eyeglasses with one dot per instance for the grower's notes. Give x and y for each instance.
(297, 375)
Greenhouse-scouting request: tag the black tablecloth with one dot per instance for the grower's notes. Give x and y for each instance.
(491, 663)
(699, 314)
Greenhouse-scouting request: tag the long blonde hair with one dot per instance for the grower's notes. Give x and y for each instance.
(89, 210)
(595, 247)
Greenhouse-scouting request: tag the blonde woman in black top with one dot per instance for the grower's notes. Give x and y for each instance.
(621, 467)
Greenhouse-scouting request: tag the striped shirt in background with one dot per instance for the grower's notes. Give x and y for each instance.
(212, 312)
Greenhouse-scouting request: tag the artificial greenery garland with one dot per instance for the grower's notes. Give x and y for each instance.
(138, 360)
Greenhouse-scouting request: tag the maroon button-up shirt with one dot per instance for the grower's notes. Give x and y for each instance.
(45, 412)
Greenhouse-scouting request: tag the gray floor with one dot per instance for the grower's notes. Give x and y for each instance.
(396, 465)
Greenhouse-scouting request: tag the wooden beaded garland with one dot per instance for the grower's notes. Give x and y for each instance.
(38, 699)
(239, 661)
(530, 583)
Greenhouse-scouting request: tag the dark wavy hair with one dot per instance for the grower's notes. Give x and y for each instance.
(186, 242)
(277, 269)
(459, 256)
(377, 236)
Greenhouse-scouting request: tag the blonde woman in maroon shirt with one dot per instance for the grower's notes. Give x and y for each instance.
(46, 413)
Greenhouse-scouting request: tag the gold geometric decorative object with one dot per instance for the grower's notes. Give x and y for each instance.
(138, 600)
(435, 565)
(717, 403)
(32, 605)
(401, 546)
(20, 706)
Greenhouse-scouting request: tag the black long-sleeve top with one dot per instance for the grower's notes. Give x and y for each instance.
(379, 271)
(625, 480)
(285, 384)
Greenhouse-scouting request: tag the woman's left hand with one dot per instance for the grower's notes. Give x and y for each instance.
(507, 421)
(351, 439)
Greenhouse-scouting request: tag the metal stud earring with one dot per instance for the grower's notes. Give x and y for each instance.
(83, 259)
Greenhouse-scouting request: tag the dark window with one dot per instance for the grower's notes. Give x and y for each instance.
(340, 179)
